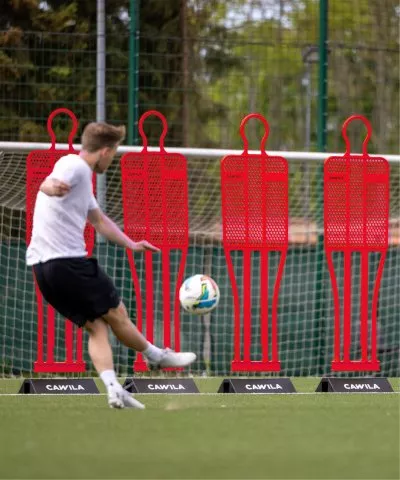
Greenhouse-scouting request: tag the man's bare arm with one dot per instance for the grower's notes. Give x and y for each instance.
(109, 230)
(54, 188)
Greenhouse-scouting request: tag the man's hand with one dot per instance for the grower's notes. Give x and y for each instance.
(144, 245)
(54, 188)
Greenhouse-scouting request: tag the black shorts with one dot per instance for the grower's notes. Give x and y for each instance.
(77, 288)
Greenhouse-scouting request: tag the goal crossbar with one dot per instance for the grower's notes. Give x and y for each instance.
(191, 152)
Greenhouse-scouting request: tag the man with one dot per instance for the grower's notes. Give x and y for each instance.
(72, 283)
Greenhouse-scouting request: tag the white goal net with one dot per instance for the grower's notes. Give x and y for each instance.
(305, 313)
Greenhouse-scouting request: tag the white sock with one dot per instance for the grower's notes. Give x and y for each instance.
(153, 353)
(109, 378)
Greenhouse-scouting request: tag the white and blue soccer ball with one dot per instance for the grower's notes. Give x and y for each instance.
(199, 294)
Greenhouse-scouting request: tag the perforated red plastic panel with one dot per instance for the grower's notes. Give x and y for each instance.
(155, 198)
(255, 201)
(356, 219)
(254, 192)
(357, 202)
(39, 164)
(155, 204)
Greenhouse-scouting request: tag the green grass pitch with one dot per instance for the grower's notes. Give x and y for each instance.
(201, 436)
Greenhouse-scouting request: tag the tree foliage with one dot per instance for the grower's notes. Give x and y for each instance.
(48, 59)
(204, 64)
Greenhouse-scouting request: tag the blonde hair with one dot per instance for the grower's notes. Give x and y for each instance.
(97, 135)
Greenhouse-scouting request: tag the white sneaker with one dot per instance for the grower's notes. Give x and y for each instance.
(173, 359)
(120, 398)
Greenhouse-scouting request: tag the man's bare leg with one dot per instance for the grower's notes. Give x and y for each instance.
(99, 346)
(130, 336)
(124, 329)
(101, 354)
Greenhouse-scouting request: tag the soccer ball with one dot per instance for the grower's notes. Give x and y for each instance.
(199, 294)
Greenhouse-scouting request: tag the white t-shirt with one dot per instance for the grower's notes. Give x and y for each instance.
(59, 222)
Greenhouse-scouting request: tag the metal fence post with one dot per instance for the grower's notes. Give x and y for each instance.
(320, 299)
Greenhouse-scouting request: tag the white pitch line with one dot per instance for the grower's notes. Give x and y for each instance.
(294, 394)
